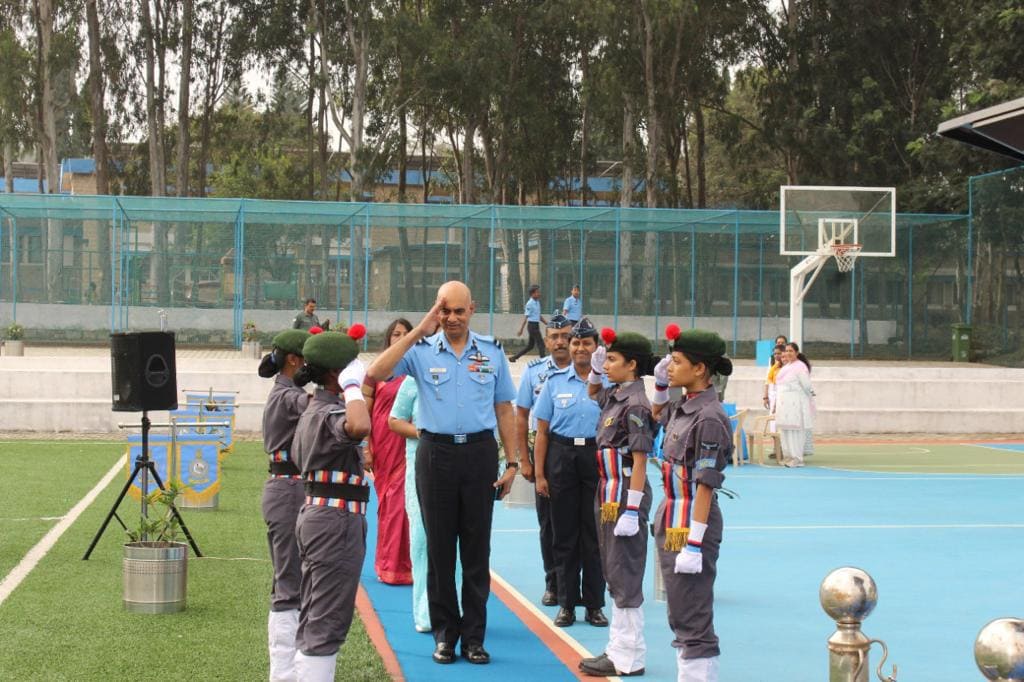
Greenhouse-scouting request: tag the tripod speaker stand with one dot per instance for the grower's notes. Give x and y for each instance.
(143, 378)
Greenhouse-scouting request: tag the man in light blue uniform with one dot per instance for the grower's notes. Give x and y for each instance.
(566, 470)
(573, 307)
(557, 342)
(465, 391)
(532, 320)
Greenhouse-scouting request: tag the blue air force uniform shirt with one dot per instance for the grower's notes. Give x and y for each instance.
(563, 403)
(532, 310)
(573, 308)
(530, 384)
(457, 394)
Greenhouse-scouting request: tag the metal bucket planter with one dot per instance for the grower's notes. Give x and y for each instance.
(14, 347)
(155, 577)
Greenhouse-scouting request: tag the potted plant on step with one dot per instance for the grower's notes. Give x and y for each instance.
(13, 335)
(155, 563)
(251, 341)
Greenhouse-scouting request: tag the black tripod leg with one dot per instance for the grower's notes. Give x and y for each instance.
(113, 510)
(174, 510)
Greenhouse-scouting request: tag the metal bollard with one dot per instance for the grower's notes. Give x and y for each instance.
(848, 596)
(999, 650)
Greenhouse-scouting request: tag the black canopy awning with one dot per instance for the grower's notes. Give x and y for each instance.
(998, 129)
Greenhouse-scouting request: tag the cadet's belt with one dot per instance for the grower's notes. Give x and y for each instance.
(337, 489)
(576, 442)
(284, 470)
(456, 438)
(609, 484)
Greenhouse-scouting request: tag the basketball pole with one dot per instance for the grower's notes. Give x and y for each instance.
(798, 288)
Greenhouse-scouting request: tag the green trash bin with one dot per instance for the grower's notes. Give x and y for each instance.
(961, 343)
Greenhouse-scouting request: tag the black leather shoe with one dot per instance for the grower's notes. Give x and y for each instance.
(596, 618)
(444, 653)
(565, 617)
(549, 598)
(602, 666)
(475, 653)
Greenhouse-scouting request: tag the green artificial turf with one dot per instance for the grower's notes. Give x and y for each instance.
(914, 457)
(66, 620)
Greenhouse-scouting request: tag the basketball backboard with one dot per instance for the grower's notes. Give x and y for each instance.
(812, 218)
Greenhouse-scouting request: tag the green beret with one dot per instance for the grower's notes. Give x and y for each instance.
(701, 342)
(631, 344)
(330, 350)
(291, 340)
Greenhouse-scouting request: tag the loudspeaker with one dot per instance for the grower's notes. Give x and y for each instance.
(142, 371)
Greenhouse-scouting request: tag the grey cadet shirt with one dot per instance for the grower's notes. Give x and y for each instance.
(320, 439)
(697, 434)
(285, 405)
(304, 321)
(626, 419)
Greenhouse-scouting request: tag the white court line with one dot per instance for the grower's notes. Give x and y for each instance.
(992, 446)
(52, 442)
(36, 554)
(557, 631)
(34, 518)
(884, 526)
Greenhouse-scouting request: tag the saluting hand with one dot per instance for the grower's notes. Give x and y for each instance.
(597, 359)
(432, 320)
(661, 371)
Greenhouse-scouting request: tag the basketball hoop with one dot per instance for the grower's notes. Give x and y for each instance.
(845, 255)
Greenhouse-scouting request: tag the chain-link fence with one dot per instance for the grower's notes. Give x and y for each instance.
(74, 268)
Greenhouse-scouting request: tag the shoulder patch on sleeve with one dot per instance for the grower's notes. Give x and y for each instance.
(636, 420)
(709, 445)
(340, 410)
(705, 463)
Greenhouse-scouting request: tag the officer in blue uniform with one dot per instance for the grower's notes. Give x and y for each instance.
(465, 392)
(557, 342)
(532, 319)
(567, 474)
(572, 308)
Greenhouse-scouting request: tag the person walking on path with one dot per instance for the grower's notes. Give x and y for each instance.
(331, 528)
(385, 457)
(465, 392)
(283, 497)
(566, 471)
(307, 319)
(688, 523)
(625, 439)
(532, 319)
(556, 340)
(572, 308)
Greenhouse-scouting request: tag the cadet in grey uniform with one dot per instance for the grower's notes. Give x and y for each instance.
(465, 391)
(331, 528)
(556, 340)
(688, 524)
(625, 438)
(566, 468)
(283, 497)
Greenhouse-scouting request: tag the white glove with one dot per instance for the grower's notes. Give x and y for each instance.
(689, 561)
(628, 524)
(597, 364)
(661, 372)
(351, 380)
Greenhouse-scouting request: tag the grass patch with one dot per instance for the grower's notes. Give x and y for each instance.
(66, 621)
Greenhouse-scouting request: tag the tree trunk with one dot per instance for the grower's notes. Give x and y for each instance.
(8, 167)
(98, 112)
(52, 229)
(625, 201)
(184, 90)
(702, 151)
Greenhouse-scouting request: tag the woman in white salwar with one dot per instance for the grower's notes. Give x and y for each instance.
(794, 405)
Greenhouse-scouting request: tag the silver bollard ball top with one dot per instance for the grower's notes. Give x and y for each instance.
(999, 650)
(848, 594)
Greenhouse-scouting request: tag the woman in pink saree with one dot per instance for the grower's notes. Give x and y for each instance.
(385, 455)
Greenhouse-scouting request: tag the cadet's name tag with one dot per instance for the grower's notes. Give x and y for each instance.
(564, 395)
(438, 370)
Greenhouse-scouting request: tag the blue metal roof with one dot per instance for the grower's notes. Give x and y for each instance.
(30, 185)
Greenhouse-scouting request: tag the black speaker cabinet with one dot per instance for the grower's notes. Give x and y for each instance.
(142, 371)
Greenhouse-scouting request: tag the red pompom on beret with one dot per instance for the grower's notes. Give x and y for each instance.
(356, 331)
(316, 330)
(672, 331)
(608, 335)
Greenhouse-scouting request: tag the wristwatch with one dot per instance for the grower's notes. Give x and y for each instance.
(512, 465)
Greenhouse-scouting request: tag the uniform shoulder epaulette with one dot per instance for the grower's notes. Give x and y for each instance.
(340, 410)
(423, 341)
(536, 361)
(560, 370)
(487, 339)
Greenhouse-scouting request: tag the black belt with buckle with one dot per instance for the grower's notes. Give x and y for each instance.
(574, 442)
(456, 438)
(340, 491)
(285, 468)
